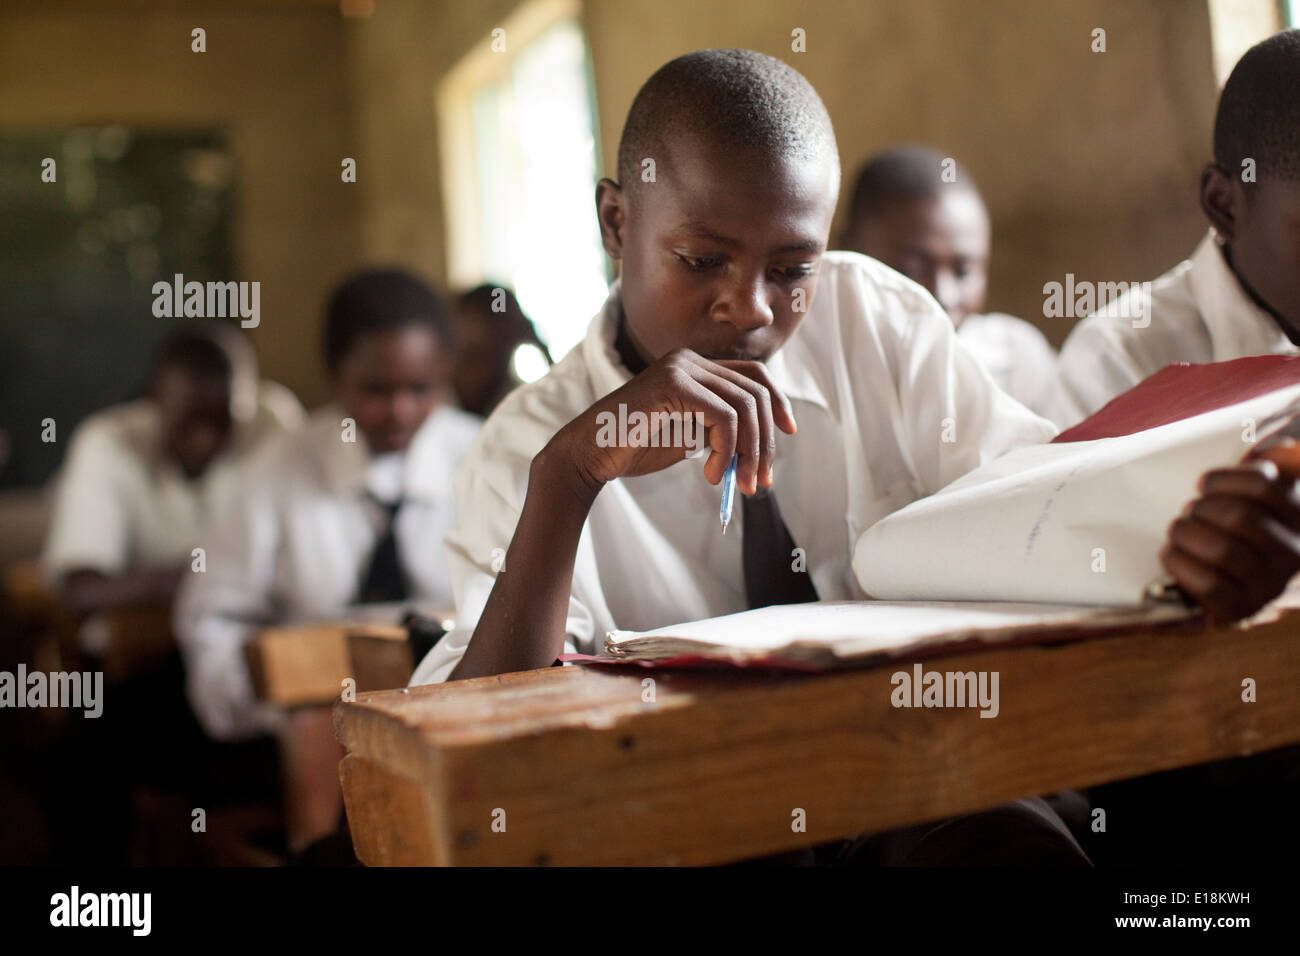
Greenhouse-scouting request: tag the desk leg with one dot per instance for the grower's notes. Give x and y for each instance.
(310, 757)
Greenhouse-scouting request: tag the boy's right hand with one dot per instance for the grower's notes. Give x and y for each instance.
(736, 402)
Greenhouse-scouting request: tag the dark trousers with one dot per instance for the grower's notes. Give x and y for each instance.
(1230, 813)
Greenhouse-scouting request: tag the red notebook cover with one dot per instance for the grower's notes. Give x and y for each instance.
(1183, 390)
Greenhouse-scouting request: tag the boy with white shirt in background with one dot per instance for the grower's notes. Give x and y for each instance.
(1239, 293)
(919, 213)
(351, 509)
(561, 536)
(140, 484)
(141, 479)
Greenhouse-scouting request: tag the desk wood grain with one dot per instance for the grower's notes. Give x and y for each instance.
(583, 765)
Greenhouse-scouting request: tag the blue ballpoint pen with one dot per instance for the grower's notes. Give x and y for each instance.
(728, 493)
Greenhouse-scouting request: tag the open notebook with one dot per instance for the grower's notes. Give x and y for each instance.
(1047, 543)
(1081, 520)
(829, 634)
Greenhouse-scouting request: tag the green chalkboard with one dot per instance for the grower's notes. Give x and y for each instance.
(78, 257)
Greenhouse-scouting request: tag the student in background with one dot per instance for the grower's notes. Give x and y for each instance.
(1239, 293)
(350, 509)
(140, 483)
(141, 479)
(904, 213)
(490, 328)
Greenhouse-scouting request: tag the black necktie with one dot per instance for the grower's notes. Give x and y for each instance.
(384, 580)
(768, 555)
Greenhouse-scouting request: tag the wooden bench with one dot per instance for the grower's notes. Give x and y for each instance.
(592, 765)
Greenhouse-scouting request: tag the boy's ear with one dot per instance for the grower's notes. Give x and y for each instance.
(1221, 199)
(611, 212)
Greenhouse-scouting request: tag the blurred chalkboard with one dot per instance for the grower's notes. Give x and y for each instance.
(78, 257)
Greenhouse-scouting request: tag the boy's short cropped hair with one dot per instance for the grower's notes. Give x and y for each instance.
(1259, 111)
(740, 98)
(380, 300)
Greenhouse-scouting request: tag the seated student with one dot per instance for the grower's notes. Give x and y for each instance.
(490, 328)
(140, 479)
(350, 509)
(1239, 293)
(138, 485)
(562, 534)
(937, 233)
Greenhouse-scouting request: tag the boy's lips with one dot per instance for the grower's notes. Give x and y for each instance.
(734, 355)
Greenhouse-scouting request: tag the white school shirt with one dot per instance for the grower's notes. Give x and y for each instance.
(890, 406)
(1198, 312)
(1018, 356)
(120, 505)
(295, 542)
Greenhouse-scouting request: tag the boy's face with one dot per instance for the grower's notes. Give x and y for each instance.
(941, 243)
(196, 419)
(715, 251)
(389, 382)
(1266, 245)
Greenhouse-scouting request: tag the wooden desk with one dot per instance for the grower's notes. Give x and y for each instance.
(307, 664)
(711, 771)
(303, 669)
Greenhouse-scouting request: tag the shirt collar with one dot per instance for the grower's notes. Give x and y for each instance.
(1237, 326)
(789, 368)
(346, 464)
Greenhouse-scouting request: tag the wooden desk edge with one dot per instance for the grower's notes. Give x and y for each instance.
(1198, 690)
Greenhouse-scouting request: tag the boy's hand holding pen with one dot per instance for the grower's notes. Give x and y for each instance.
(737, 403)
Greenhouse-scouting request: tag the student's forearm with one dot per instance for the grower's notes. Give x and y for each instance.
(523, 623)
(91, 592)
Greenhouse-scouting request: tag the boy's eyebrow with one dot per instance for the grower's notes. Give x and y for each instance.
(806, 245)
(701, 231)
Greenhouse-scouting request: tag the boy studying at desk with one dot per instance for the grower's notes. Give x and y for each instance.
(346, 511)
(838, 384)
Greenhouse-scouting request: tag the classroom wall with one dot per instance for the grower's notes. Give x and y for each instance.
(272, 77)
(396, 58)
(1089, 161)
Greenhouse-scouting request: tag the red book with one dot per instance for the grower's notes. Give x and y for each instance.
(1183, 390)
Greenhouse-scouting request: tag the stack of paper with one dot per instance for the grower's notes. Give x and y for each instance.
(833, 633)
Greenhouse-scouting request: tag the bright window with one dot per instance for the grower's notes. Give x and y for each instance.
(520, 168)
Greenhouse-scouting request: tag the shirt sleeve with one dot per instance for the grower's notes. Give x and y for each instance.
(954, 417)
(90, 524)
(1036, 375)
(219, 609)
(1094, 368)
